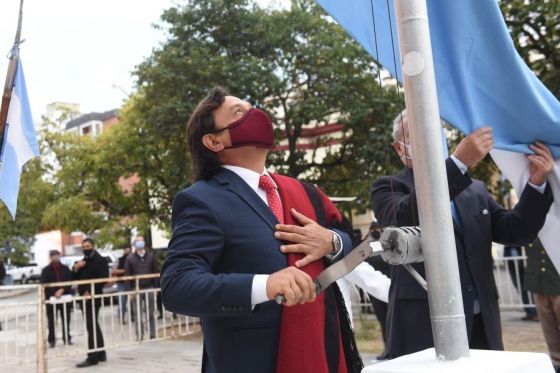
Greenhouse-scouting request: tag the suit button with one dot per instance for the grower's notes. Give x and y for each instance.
(226, 308)
(241, 308)
(469, 288)
(543, 269)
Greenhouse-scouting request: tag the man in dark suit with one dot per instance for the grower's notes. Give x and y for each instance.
(229, 256)
(92, 266)
(57, 272)
(478, 221)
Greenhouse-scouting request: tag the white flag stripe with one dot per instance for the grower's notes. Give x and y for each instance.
(16, 137)
(515, 168)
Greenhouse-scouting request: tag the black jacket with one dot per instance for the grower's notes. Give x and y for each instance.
(48, 276)
(96, 267)
(137, 265)
(393, 200)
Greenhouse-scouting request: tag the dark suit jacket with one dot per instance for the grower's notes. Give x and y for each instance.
(48, 276)
(222, 237)
(96, 267)
(393, 200)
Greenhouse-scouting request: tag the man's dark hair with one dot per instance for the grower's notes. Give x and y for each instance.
(88, 240)
(205, 162)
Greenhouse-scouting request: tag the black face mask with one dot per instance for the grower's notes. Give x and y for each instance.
(375, 235)
(88, 253)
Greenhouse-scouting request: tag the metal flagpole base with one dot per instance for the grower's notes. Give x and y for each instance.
(479, 361)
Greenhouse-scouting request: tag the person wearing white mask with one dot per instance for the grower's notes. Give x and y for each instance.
(142, 262)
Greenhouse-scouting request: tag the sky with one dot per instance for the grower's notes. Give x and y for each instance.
(82, 51)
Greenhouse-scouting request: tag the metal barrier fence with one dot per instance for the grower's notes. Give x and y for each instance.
(129, 316)
(509, 273)
(132, 315)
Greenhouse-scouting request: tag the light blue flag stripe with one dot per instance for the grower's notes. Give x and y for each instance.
(481, 79)
(20, 143)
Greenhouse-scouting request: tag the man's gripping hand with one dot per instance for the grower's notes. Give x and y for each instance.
(296, 286)
(310, 239)
(473, 148)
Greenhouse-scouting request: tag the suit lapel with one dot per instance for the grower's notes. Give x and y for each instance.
(238, 186)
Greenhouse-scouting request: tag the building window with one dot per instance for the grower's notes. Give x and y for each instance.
(86, 130)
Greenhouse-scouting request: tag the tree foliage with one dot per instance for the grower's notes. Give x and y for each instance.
(296, 63)
(534, 27)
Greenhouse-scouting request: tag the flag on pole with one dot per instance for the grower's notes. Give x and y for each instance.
(20, 143)
(481, 80)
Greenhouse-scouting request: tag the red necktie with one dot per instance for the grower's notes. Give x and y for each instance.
(266, 184)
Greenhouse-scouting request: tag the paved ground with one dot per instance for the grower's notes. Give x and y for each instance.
(184, 355)
(163, 356)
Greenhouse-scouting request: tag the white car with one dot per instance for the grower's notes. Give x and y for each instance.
(24, 274)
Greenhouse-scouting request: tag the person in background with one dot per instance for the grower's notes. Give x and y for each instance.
(2, 277)
(2, 271)
(379, 305)
(92, 266)
(121, 286)
(142, 262)
(57, 272)
(516, 269)
(543, 280)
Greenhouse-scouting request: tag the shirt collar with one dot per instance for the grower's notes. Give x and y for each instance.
(249, 176)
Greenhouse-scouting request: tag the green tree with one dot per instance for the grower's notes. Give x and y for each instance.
(295, 63)
(533, 25)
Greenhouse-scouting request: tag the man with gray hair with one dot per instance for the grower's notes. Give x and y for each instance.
(478, 221)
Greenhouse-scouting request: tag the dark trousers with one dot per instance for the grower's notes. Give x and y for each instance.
(64, 320)
(513, 274)
(478, 336)
(95, 337)
(380, 310)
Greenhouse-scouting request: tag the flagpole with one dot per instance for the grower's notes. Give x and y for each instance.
(10, 77)
(430, 179)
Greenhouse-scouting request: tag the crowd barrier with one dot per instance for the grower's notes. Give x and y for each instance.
(127, 316)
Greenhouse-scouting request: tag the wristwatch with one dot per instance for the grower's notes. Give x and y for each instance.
(337, 243)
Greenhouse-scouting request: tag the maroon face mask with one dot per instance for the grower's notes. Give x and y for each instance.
(253, 128)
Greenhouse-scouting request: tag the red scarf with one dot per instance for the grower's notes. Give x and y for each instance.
(302, 327)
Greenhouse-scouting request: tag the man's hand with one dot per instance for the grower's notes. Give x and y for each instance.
(473, 148)
(311, 239)
(59, 293)
(541, 163)
(80, 264)
(296, 286)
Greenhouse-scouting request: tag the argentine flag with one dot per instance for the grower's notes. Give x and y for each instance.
(481, 80)
(20, 143)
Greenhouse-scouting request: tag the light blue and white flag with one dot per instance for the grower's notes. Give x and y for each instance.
(481, 80)
(20, 143)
